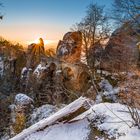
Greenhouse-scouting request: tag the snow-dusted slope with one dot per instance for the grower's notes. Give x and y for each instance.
(52, 120)
(110, 118)
(113, 119)
(73, 131)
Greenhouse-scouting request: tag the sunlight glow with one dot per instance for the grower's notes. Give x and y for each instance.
(46, 42)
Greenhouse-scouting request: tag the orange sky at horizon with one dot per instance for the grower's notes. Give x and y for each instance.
(27, 34)
(25, 21)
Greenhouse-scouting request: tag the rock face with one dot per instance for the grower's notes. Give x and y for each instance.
(69, 49)
(69, 52)
(50, 78)
(121, 51)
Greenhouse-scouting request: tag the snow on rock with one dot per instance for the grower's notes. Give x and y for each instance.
(114, 119)
(58, 72)
(73, 131)
(108, 90)
(22, 99)
(1, 67)
(98, 99)
(111, 118)
(25, 72)
(69, 49)
(64, 50)
(105, 85)
(133, 134)
(42, 112)
(39, 69)
(81, 104)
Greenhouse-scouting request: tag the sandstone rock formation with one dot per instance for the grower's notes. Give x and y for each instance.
(69, 49)
(121, 51)
(51, 78)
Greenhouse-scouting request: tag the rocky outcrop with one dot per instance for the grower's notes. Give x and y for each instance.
(51, 79)
(69, 49)
(121, 52)
(20, 111)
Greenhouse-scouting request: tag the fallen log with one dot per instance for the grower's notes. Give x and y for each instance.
(65, 115)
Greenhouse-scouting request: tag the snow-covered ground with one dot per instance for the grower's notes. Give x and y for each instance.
(111, 118)
(115, 120)
(109, 91)
(77, 131)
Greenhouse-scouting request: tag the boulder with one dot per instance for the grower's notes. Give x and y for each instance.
(20, 111)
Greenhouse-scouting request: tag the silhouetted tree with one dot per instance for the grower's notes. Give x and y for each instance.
(94, 27)
(35, 53)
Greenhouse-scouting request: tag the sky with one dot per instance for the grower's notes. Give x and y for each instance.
(26, 20)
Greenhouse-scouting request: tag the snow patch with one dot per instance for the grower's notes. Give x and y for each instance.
(39, 69)
(42, 113)
(22, 99)
(74, 131)
(108, 90)
(25, 72)
(133, 134)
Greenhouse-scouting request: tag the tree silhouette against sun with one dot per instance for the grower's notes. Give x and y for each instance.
(35, 53)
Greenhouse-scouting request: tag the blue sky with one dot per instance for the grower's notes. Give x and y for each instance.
(26, 20)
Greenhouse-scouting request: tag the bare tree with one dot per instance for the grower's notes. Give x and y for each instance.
(127, 11)
(94, 27)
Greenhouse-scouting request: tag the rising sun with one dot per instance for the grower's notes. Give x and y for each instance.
(37, 41)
